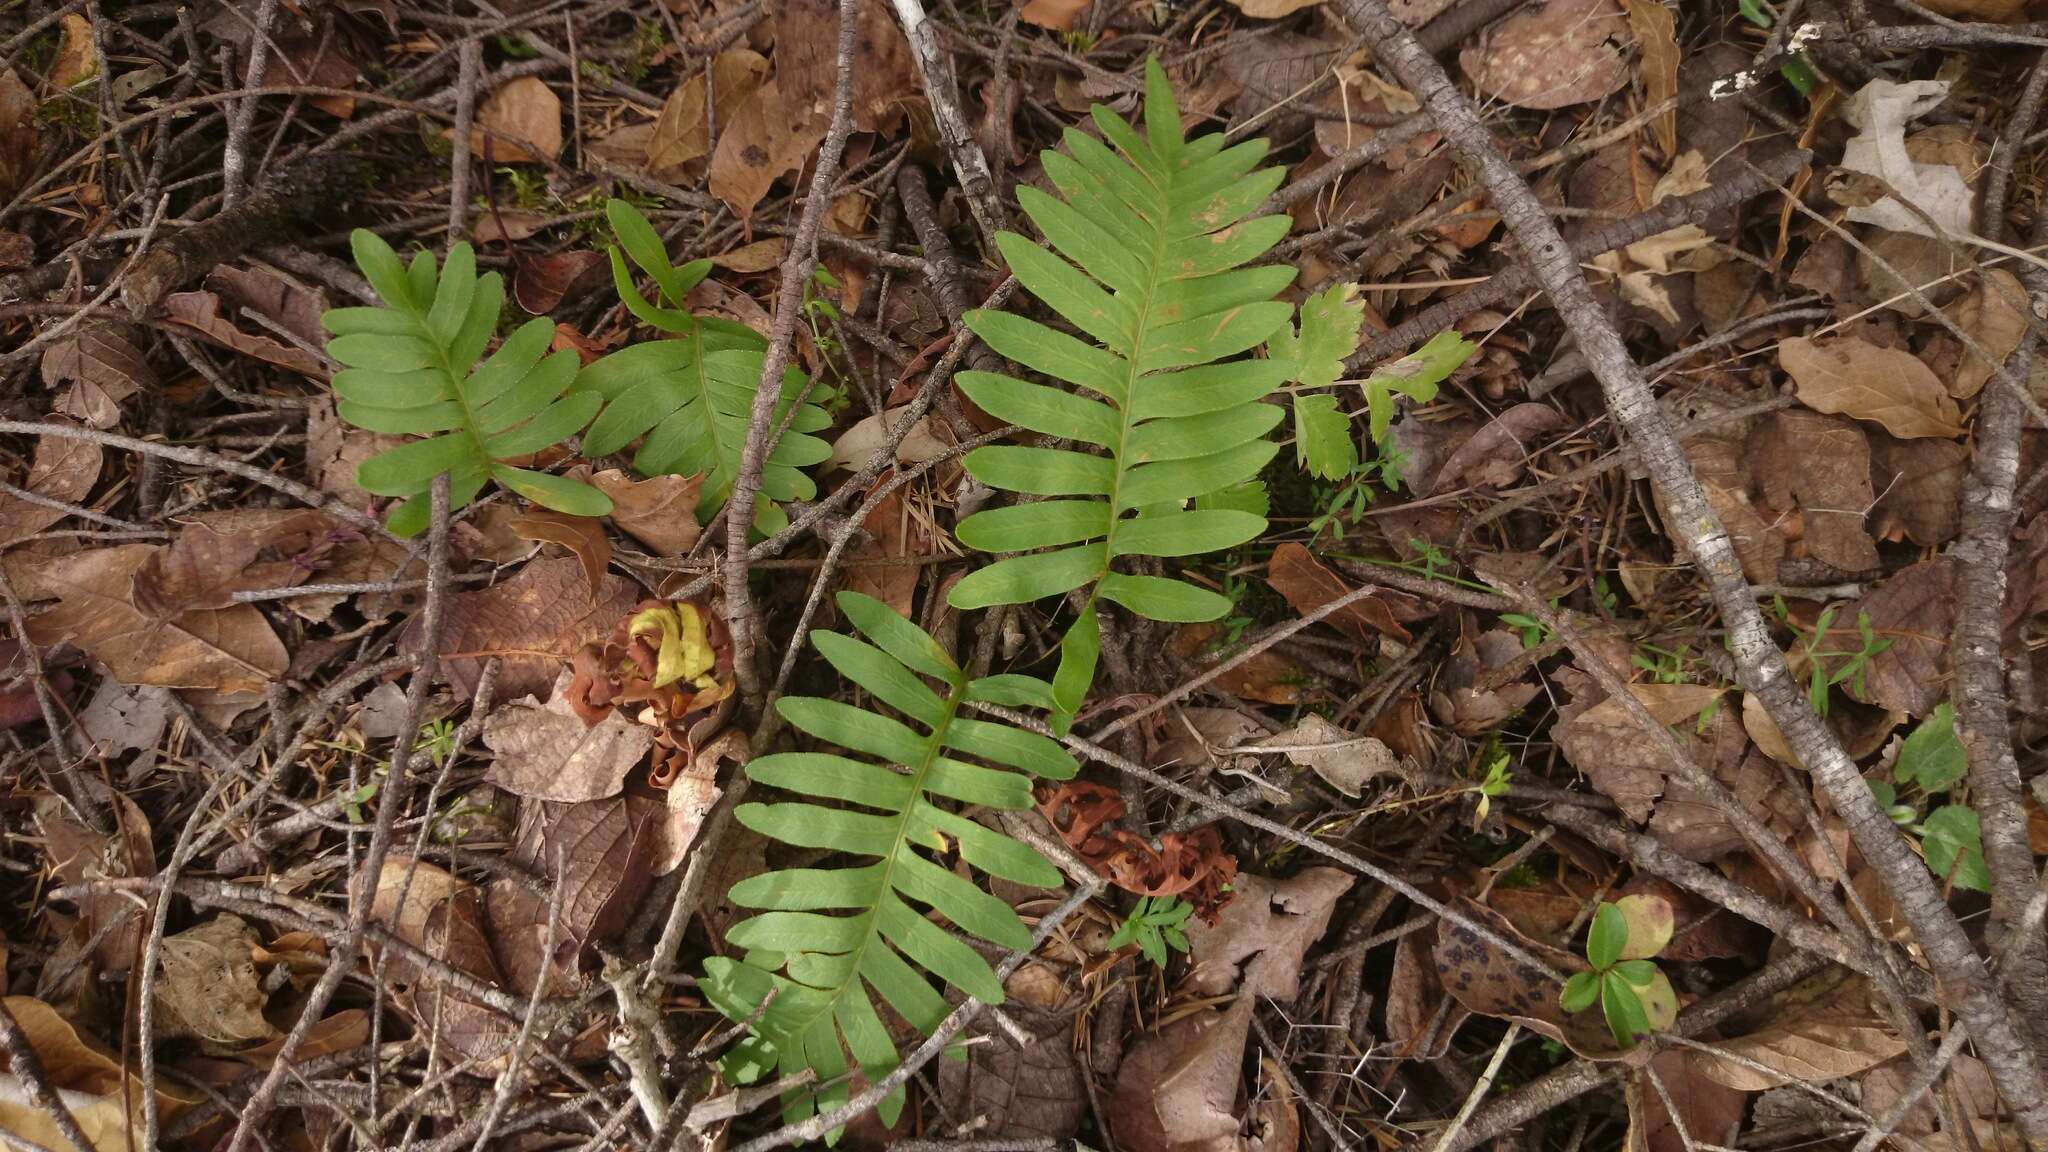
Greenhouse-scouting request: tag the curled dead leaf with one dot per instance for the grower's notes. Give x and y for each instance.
(1856, 378)
(1258, 943)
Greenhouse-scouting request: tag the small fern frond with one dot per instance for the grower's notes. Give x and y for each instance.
(827, 939)
(1148, 239)
(688, 399)
(410, 367)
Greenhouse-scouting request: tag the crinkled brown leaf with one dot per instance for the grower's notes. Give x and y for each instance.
(62, 469)
(201, 313)
(1344, 760)
(1484, 978)
(208, 988)
(603, 848)
(229, 649)
(1919, 486)
(660, 511)
(1256, 946)
(1622, 761)
(545, 752)
(807, 63)
(1178, 1090)
(1029, 1092)
(18, 133)
(767, 136)
(1887, 386)
(540, 282)
(1709, 1112)
(1822, 1030)
(532, 622)
(1821, 465)
(79, 855)
(1498, 454)
(1560, 53)
(1915, 609)
(1308, 584)
(103, 367)
(583, 535)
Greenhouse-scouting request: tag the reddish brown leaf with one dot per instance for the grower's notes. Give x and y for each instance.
(103, 367)
(540, 282)
(201, 312)
(532, 622)
(767, 136)
(1915, 610)
(1308, 584)
(583, 535)
(660, 511)
(77, 855)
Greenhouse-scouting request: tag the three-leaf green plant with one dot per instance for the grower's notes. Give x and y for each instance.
(828, 937)
(691, 396)
(411, 368)
(1154, 926)
(1633, 994)
(1148, 236)
(1931, 761)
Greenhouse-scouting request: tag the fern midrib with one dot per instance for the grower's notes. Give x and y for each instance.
(702, 381)
(934, 741)
(1125, 424)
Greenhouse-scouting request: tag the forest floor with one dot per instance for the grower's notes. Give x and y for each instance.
(1582, 688)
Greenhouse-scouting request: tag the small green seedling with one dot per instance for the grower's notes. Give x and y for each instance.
(1632, 992)
(1931, 761)
(437, 740)
(1854, 661)
(1154, 925)
(1534, 632)
(1495, 784)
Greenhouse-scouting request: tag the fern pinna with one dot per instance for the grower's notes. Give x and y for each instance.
(691, 396)
(828, 937)
(1147, 242)
(411, 367)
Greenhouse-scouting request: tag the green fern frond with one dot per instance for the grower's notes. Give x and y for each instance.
(1148, 243)
(691, 396)
(411, 368)
(828, 939)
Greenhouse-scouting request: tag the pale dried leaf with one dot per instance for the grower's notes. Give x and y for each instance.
(1880, 111)
(545, 752)
(1813, 1042)
(208, 988)
(103, 367)
(1992, 315)
(1257, 944)
(62, 468)
(77, 59)
(766, 137)
(1656, 30)
(660, 511)
(1856, 378)
(1342, 759)
(682, 132)
(858, 444)
(520, 123)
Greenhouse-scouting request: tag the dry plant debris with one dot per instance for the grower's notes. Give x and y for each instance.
(1254, 575)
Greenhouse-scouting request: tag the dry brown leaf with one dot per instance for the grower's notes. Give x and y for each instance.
(18, 133)
(1308, 584)
(766, 137)
(346, 1029)
(1498, 454)
(540, 282)
(682, 132)
(691, 796)
(858, 444)
(1815, 1036)
(1821, 464)
(1562, 53)
(1919, 486)
(1268, 677)
(807, 63)
(1462, 697)
(1991, 314)
(62, 469)
(1485, 978)
(1970, 1096)
(1764, 731)
(1856, 378)
(894, 534)
(660, 511)
(1656, 30)
(79, 855)
(201, 312)
(583, 535)
(1257, 944)
(603, 848)
(759, 256)
(77, 60)
(1915, 609)
(1178, 1091)
(532, 622)
(103, 367)
(1708, 1112)
(208, 989)
(443, 916)
(520, 123)
(1343, 760)
(1019, 1093)
(229, 649)
(1605, 743)
(545, 752)
(87, 1078)
(1056, 15)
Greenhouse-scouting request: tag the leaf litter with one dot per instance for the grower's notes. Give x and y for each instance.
(238, 656)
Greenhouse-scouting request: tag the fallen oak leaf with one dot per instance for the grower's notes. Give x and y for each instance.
(1888, 386)
(200, 313)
